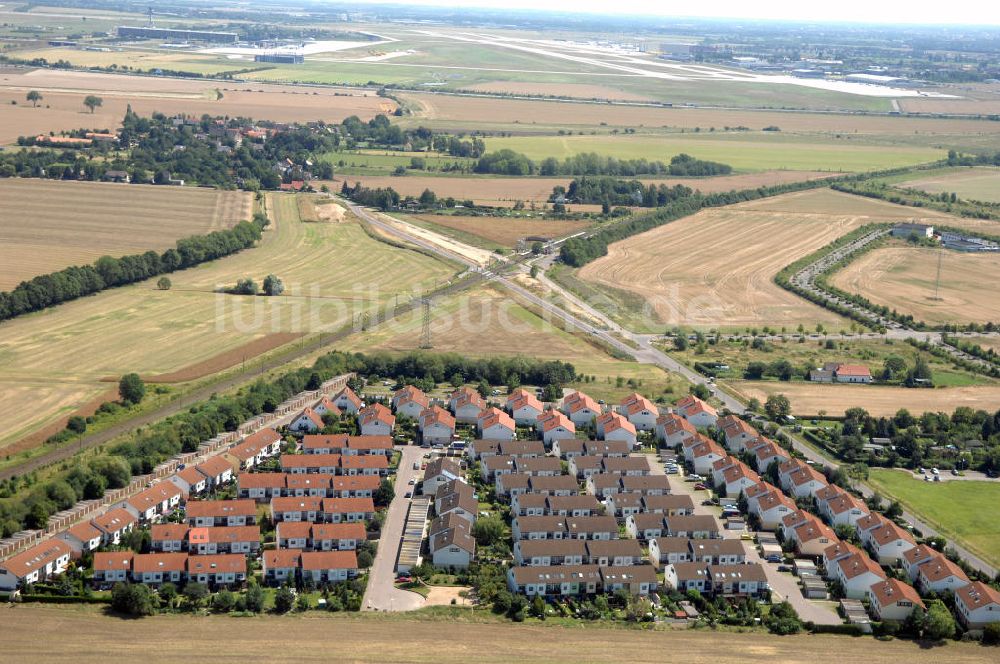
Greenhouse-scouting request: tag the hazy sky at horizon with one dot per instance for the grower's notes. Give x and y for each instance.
(971, 12)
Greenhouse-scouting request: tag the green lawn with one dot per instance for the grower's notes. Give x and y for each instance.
(961, 510)
(747, 152)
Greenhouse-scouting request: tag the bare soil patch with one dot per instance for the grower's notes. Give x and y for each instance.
(46, 225)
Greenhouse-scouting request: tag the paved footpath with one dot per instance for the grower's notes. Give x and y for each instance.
(381, 593)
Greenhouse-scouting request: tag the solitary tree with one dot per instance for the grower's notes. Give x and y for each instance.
(92, 102)
(273, 285)
(164, 283)
(34, 96)
(777, 406)
(131, 389)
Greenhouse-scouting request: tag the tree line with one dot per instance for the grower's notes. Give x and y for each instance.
(70, 283)
(509, 162)
(604, 190)
(28, 503)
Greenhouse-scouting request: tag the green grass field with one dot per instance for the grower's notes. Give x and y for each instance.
(384, 162)
(744, 152)
(979, 184)
(962, 511)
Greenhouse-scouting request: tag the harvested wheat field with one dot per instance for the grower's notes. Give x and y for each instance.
(486, 323)
(979, 184)
(487, 112)
(46, 225)
(89, 636)
(811, 398)
(905, 279)
(331, 272)
(716, 268)
(503, 231)
(62, 109)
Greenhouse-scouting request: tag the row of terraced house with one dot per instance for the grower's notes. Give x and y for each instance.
(860, 572)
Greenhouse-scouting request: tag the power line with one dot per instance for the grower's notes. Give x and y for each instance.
(425, 337)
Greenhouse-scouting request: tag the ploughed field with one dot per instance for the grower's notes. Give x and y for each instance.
(47, 225)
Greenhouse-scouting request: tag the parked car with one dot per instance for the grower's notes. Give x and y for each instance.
(412, 482)
(954, 471)
(935, 471)
(773, 558)
(701, 486)
(408, 494)
(784, 568)
(416, 465)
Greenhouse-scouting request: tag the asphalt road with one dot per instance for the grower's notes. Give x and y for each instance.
(381, 593)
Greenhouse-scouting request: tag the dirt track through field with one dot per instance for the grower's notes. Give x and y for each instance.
(87, 636)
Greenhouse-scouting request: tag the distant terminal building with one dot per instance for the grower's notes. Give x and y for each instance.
(63, 42)
(808, 73)
(128, 32)
(908, 230)
(280, 58)
(875, 79)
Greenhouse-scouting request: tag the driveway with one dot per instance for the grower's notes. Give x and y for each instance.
(382, 594)
(784, 585)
